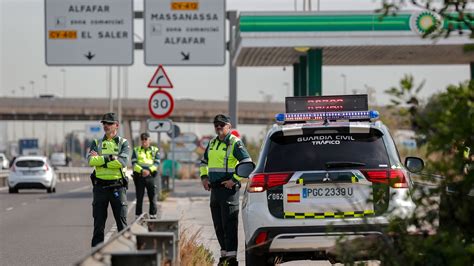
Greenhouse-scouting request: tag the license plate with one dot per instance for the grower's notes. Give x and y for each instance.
(340, 191)
(31, 172)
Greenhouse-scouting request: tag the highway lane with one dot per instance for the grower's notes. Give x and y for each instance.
(37, 228)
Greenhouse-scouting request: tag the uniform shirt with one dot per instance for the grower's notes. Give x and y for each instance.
(239, 152)
(145, 159)
(102, 162)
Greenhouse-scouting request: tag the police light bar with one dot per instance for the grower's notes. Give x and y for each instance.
(333, 103)
(318, 116)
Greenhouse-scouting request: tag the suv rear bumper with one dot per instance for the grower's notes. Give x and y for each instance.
(310, 238)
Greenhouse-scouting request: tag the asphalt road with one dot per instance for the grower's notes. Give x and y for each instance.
(37, 228)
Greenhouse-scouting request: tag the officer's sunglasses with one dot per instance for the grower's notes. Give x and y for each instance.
(220, 124)
(108, 123)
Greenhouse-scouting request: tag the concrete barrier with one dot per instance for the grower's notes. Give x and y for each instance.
(3, 177)
(137, 245)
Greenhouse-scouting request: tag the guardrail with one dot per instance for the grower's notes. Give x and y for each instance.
(144, 242)
(3, 177)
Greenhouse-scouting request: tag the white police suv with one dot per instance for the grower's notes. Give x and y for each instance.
(327, 169)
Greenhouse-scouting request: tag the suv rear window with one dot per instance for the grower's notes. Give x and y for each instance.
(29, 163)
(311, 152)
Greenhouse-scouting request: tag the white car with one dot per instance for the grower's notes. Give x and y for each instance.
(59, 159)
(4, 162)
(31, 172)
(316, 182)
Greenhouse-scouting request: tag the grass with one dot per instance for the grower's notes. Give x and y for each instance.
(191, 252)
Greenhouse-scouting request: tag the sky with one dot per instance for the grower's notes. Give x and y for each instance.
(22, 61)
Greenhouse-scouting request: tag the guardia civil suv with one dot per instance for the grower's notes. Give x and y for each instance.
(327, 170)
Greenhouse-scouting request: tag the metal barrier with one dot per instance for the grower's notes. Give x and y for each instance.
(144, 242)
(62, 173)
(3, 177)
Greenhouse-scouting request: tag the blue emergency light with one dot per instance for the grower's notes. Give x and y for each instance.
(319, 116)
(335, 107)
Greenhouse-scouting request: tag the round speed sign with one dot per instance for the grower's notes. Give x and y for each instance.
(161, 104)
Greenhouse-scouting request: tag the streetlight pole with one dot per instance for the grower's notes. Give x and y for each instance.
(344, 77)
(32, 88)
(22, 88)
(64, 81)
(45, 83)
(64, 122)
(287, 87)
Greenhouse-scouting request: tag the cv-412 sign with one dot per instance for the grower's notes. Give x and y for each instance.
(181, 32)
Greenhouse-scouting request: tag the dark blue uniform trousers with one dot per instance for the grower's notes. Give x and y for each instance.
(225, 215)
(117, 198)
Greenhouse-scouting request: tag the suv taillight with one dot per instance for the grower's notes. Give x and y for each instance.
(260, 182)
(396, 177)
(45, 167)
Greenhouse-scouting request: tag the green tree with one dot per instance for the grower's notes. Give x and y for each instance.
(456, 14)
(447, 123)
(405, 99)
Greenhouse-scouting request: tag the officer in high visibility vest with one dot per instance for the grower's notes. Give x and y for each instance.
(221, 156)
(145, 160)
(109, 156)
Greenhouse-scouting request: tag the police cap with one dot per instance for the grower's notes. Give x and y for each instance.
(221, 118)
(144, 136)
(109, 118)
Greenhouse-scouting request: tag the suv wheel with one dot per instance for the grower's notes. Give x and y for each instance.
(12, 190)
(51, 190)
(257, 260)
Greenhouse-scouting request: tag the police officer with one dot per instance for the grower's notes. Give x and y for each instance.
(145, 160)
(221, 156)
(109, 156)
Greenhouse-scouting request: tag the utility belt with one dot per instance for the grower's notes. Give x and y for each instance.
(218, 184)
(122, 182)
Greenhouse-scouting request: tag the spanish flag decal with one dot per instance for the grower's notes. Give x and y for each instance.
(293, 197)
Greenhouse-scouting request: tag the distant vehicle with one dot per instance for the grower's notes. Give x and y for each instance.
(59, 159)
(31, 172)
(28, 147)
(322, 175)
(4, 163)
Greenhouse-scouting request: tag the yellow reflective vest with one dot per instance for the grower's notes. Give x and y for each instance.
(148, 159)
(105, 168)
(221, 157)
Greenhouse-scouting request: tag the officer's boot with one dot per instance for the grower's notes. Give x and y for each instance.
(232, 261)
(222, 261)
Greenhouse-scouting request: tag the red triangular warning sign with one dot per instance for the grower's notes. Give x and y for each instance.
(160, 80)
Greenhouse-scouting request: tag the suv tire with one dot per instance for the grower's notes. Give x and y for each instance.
(51, 190)
(12, 190)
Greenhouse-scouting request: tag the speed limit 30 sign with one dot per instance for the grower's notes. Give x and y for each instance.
(161, 104)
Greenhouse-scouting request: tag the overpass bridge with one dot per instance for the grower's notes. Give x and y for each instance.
(91, 109)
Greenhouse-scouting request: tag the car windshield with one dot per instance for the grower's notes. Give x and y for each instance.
(326, 151)
(29, 163)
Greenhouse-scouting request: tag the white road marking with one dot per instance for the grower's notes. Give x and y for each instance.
(9, 208)
(79, 189)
